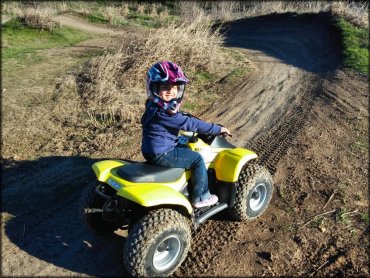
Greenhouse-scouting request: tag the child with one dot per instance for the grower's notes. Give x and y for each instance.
(161, 124)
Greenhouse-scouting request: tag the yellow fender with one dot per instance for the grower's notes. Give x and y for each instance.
(229, 163)
(102, 168)
(149, 195)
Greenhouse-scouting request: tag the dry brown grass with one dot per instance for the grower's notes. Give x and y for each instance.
(355, 12)
(108, 100)
(39, 18)
(113, 12)
(12, 9)
(115, 93)
(103, 108)
(36, 17)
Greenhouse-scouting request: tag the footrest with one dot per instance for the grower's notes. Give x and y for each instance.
(202, 214)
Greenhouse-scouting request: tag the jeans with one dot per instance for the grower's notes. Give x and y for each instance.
(181, 157)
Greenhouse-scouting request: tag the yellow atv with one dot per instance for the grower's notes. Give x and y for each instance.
(152, 201)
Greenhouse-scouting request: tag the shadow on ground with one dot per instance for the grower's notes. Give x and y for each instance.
(308, 41)
(41, 200)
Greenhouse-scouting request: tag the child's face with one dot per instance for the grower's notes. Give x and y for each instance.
(168, 91)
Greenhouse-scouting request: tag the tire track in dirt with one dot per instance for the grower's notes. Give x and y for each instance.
(266, 111)
(273, 145)
(269, 108)
(206, 244)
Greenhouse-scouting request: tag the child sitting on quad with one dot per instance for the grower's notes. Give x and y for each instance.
(161, 124)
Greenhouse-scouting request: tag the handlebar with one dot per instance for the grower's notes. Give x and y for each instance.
(223, 134)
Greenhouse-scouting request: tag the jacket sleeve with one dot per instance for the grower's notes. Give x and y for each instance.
(186, 123)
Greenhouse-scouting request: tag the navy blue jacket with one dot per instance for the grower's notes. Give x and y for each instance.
(160, 129)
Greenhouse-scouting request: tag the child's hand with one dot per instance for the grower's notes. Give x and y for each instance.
(224, 130)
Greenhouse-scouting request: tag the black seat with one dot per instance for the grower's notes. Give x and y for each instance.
(144, 172)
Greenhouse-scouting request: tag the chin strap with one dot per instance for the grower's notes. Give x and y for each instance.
(172, 107)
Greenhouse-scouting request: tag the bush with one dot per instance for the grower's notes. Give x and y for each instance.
(114, 89)
(39, 18)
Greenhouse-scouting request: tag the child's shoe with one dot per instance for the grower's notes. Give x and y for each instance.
(205, 203)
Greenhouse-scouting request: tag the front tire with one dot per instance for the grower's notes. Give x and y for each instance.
(254, 190)
(157, 244)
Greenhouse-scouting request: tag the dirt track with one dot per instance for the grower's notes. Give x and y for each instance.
(298, 111)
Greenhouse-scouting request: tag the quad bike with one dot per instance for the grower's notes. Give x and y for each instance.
(152, 201)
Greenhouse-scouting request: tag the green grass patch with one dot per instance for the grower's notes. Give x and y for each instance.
(365, 217)
(19, 41)
(362, 143)
(343, 216)
(235, 54)
(120, 22)
(97, 18)
(134, 18)
(144, 20)
(189, 107)
(202, 76)
(242, 65)
(356, 46)
(235, 74)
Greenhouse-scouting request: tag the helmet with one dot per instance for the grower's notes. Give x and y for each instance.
(166, 73)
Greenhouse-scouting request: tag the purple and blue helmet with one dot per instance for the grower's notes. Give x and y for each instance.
(166, 73)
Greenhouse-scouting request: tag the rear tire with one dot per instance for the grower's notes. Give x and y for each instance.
(157, 244)
(254, 190)
(92, 212)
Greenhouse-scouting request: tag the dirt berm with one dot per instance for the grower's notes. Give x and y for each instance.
(304, 115)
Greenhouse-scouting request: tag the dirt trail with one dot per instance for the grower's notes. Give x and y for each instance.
(297, 111)
(74, 21)
(267, 112)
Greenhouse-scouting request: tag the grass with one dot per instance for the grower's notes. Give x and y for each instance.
(365, 218)
(116, 94)
(362, 143)
(150, 15)
(356, 46)
(353, 11)
(144, 20)
(97, 18)
(239, 71)
(114, 97)
(288, 228)
(38, 57)
(287, 203)
(20, 41)
(318, 221)
(343, 216)
(23, 47)
(235, 74)
(134, 18)
(202, 76)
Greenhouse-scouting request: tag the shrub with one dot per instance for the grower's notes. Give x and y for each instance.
(114, 84)
(39, 18)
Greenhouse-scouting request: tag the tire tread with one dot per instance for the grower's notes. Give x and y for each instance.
(246, 179)
(143, 234)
